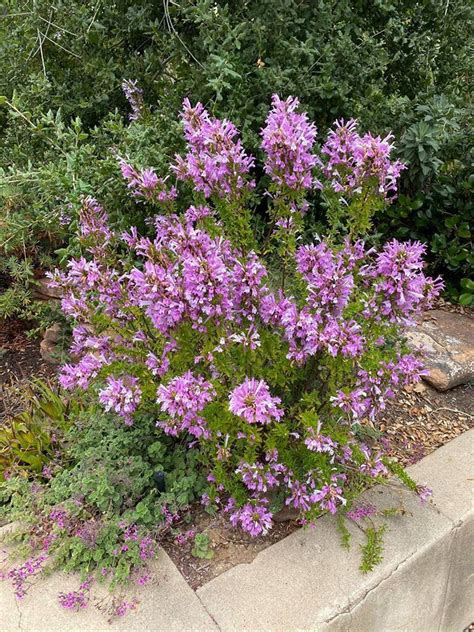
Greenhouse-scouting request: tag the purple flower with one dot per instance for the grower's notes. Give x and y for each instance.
(20, 575)
(300, 494)
(401, 289)
(288, 140)
(74, 600)
(316, 442)
(146, 184)
(134, 95)
(216, 161)
(354, 163)
(252, 401)
(121, 395)
(182, 399)
(93, 225)
(329, 495)
(254, 519)
(373, 465)
(424, 493)
(79, 375)
(259, 477)
(361, 511)
(123, 607)
(330, 284)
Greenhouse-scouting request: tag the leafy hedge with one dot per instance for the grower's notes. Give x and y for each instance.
(392, 64)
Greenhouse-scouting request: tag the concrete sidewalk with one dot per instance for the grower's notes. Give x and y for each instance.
(308, 581)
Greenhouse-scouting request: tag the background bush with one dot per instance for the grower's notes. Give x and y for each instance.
(400, 65)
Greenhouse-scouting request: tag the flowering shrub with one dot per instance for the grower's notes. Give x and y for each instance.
(265, 354)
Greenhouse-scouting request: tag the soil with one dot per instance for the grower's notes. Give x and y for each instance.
(421, 419)
(229, 546)
(20, 361)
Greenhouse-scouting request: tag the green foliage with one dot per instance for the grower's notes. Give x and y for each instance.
(401, 474)
(27, 441)
(201, 548)
(372, 550)
(103, 481)
(436, 204)
(343, 530)
(62, 116)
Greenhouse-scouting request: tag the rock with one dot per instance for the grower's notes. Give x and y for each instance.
(53, 333)
(42, 290)
(446, 340)
(286, 515)
(49, 348)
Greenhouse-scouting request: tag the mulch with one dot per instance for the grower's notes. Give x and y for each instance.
(20, 361)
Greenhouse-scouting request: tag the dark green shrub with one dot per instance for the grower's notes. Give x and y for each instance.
(383, 62)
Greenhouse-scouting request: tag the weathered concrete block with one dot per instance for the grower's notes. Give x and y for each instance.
(308, 582)
(458, 607)
(167, 604)
(449, 472)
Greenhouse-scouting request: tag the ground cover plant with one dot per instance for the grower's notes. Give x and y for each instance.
(225, 358)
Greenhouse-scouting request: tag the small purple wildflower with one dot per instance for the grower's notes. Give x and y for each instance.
(256, 520)
(121, 395)
(252, 401)
(288, 140)
(361, 511)
(134, 95)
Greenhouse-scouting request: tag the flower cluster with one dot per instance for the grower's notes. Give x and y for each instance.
(21, 576)
(182, 399)
(351, 162)
(93, 224)
(252, 401)
(134, 95)
(216, 161)
(146, 184)
(267, 374)
(122, 396)
(288, 140)
(76, 599)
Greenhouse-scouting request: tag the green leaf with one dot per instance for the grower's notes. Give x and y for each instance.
(466, 299)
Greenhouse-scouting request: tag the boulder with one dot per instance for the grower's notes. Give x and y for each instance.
(42, 290)
(446, 340)
(49, 348)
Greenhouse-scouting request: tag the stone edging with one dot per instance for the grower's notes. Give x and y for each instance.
(307, 581)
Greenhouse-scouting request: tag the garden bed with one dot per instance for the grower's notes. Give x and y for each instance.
(419, 420)
(20, 361)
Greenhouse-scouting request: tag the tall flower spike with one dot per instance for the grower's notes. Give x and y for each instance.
(354, 162)
(134, 95)
(216, 161)
(288, 140)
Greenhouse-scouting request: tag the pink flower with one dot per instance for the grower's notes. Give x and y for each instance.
(252, 401)
(254, 519)
(288, 140)
(121, 395)
(216, 161)
(355, 162)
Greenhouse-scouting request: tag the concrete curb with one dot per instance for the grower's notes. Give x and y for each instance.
(307, 581)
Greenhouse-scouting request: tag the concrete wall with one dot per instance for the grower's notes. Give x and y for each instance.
(308, 582)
